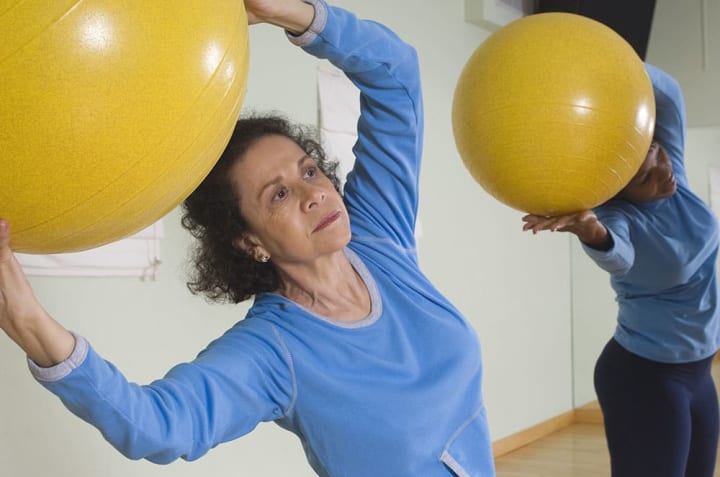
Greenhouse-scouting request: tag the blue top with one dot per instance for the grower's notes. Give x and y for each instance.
(396, 394)
(663, 262)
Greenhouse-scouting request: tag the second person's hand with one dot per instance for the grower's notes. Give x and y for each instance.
(584, 224)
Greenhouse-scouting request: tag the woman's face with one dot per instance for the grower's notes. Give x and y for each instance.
(293, 210)
(655, 179)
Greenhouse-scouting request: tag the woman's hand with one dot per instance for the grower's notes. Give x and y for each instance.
(294, 16)
(258, 11)
(584, 224)
(22, 317)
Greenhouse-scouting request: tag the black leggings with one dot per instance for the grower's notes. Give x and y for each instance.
(661, 420)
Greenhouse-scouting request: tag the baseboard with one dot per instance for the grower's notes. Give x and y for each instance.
(589, 413)
(531, 434)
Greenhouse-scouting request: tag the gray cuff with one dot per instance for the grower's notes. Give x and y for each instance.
(60, 370)
(315, 28)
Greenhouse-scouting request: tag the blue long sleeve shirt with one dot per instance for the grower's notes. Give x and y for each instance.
(663, 262)
(396, 394)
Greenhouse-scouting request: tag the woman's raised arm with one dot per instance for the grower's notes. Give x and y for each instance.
(22, 317)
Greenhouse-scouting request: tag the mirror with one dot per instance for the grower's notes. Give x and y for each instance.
(682, 43)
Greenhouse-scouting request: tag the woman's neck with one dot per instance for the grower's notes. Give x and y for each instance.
(330, 287)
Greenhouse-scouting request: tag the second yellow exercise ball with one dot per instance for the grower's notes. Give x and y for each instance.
(112, 112)
(553, 113)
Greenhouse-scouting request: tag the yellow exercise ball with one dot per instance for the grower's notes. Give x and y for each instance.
(553, 113)
(112, 112)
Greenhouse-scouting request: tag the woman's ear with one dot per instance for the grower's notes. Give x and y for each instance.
(245, 244)
(249, 245)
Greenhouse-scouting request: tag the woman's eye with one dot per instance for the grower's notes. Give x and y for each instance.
(311, 172)
(280, 194)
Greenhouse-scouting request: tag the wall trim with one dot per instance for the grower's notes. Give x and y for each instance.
(589, 413)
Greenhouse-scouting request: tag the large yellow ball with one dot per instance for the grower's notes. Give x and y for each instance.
(553, 113)
(112, 112)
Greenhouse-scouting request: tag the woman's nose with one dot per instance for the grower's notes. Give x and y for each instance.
(313, 196)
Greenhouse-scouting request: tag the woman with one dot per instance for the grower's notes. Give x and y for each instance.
(347, 344)
(659, 243)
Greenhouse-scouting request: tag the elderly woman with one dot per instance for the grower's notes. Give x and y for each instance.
(347, 344)
(659, 243)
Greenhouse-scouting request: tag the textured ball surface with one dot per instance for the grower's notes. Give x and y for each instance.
(553, 113)
(112, 112)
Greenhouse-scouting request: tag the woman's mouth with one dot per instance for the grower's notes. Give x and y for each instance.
(327, 221)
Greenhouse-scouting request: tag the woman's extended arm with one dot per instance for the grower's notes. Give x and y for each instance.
(605, 239)
(382, 189)
(22, 317)
(584, 224)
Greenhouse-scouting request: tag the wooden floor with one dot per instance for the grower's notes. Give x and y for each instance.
(578, 450)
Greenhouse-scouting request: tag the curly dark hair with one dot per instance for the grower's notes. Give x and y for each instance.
(211, 214)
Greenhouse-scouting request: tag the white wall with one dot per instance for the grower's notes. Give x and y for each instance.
(685, 39)
(512, 286)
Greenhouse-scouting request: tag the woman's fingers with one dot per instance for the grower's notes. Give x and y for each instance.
(561, 223)
(5, 252)
(538, 223)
